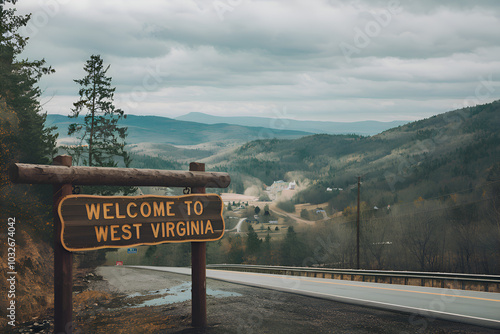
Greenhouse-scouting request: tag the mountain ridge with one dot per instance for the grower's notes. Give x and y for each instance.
(365, 128)
(164, 130)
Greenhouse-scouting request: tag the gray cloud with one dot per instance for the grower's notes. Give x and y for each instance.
(322, 59)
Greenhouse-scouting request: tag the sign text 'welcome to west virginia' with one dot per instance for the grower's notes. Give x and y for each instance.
(93, 222)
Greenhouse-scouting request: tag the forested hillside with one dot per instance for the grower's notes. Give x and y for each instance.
(427, 158)
(430, 192)
(23, 137)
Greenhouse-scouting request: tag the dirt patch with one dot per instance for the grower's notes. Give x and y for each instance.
(33, 281)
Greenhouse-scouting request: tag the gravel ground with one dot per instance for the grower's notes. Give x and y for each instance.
(114, 298)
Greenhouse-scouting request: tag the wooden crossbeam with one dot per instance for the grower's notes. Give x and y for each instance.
(80, 175)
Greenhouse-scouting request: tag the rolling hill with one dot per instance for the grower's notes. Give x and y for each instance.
(163, 130)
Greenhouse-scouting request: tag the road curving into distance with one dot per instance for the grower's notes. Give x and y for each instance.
(472, 307)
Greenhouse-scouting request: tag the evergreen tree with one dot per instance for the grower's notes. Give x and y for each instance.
(33, 142)
(104, 139)
(266, 210)
(266, 250)
(23, 134)
(292, 249)
(235, 254)
(253, 241)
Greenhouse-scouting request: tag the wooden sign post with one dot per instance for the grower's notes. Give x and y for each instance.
(92, 222)
(198, 269)
(63, 261)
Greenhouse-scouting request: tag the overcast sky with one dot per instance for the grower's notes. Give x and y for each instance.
(301, 59)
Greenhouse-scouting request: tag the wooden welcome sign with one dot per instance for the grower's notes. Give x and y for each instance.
(84, 222)
(94, 222)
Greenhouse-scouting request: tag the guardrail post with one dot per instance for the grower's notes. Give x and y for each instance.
(198, 268)
(63, 261)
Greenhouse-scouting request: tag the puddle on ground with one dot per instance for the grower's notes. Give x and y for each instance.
(177, 294)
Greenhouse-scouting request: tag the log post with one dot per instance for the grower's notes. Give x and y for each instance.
(63, 261)
(198, 268)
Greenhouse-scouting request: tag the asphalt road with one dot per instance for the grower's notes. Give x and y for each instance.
(472, 307)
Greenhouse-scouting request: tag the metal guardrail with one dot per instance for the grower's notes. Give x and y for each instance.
(489, 283)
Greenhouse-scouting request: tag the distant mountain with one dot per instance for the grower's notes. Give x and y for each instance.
(163, 130)
(365, 128)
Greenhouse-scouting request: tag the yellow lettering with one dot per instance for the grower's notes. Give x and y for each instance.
(93, 210)
(159, 209)
(137, 226)
(188, 203)
(128, 210)
(155, 231)
(101, 232)
(170, 229)
(181, 231)
(118, 211)
(169, 205)
(126, 230)
(163, 230)
(209, 226)
(142, 209)
(197, 227)
(113, 232)
(198, 204)
(106, 209)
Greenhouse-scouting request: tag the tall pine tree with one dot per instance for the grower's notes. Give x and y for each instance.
(101, 142)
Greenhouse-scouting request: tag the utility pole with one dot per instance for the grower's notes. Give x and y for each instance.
(357, 226)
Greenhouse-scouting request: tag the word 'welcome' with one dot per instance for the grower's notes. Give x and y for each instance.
(133, 210)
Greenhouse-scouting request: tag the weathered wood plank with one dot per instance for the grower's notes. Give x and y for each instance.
(80, 175)
(95, 222)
